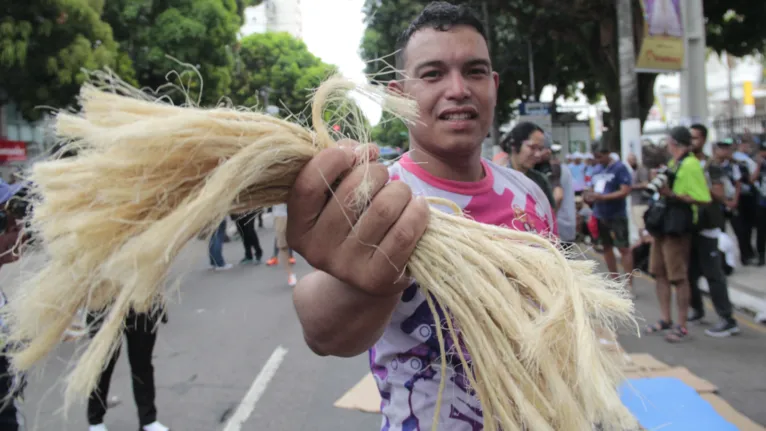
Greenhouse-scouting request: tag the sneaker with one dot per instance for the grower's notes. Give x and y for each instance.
(246, 261)
(272, 262)
(292, 280)
(695, 316)
(226, 267)
(99, 427)
(155, 426)
(723, 329)
(292, 261)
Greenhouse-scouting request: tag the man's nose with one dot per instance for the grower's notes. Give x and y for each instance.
(457, 87)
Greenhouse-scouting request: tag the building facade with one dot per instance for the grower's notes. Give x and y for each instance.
(274, 16)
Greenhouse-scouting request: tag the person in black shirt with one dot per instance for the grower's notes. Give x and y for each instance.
(706, 260)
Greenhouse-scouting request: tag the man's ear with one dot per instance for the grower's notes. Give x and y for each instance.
(496, 78)
(395, 86)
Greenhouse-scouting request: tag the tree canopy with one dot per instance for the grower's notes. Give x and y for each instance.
(45, 44)
(573, 43)
(199, 33)
(280, 65)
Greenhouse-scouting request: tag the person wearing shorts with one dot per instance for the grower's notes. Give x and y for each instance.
(280, 230)
(669, 256)
(610, 186)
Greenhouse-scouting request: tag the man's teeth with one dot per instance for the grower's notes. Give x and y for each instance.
(456, 117)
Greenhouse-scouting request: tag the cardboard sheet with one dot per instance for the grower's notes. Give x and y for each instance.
(636, 362)
(697, 383)
(727, 411)
(669, 404)
(364, 396)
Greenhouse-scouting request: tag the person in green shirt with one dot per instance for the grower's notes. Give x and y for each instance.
(669, 257)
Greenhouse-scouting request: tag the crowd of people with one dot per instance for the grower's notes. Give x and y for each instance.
(357, 300)
(680, 210)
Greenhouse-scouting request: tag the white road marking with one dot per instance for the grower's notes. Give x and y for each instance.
(247, 405)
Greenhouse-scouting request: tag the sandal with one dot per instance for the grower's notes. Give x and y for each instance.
(678, 335)
(660, 326)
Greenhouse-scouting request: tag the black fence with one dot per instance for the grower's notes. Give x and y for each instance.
(740, 126)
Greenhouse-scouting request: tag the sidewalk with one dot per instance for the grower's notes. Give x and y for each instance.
(747, 286)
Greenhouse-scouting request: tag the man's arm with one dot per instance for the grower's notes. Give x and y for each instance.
(337, 319)
(625, 180)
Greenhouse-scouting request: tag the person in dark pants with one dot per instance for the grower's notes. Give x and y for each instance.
(141, 335)
(706, 260)
(246, 227)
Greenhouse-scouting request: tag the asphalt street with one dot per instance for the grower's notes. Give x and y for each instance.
(225, 326)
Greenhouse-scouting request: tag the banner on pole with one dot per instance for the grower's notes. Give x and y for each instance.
(663, 47)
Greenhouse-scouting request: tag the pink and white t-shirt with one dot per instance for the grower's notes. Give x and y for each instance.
(405, 361)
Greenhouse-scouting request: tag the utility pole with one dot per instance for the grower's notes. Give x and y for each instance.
(627, 53)
(694, 105)
(487, 150)
(532, 89)
(630, 124)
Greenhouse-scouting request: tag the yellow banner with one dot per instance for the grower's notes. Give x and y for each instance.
(663, 47)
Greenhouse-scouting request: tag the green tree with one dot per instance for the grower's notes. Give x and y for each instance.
(391, 132)
(573, 42)
(277, 67)
(44, 45)
(201, 34)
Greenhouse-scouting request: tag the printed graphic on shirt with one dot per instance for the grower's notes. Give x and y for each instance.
(406, 360)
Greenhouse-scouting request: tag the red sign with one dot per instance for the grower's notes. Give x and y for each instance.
(12, 151)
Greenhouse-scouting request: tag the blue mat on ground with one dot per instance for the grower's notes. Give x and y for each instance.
(668, 404)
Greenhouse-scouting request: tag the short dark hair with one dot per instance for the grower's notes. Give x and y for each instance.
(520, 133)
(700, 128)
(599, 146)
(438, 15)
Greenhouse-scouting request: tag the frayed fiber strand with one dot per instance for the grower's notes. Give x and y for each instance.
(150, 176)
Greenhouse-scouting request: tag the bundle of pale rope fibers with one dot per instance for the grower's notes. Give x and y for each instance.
(149, 176)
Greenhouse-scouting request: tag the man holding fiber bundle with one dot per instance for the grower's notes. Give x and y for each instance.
(358, 299)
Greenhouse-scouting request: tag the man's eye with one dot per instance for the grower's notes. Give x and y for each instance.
(479, 71)
(431, 74)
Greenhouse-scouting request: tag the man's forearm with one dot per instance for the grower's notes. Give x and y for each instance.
(337, 319)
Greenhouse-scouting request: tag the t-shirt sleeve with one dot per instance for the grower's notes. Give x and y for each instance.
(624, 177)
(715, 173)
(690, 181)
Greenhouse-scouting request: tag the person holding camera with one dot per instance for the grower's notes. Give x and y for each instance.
(610, 186)
(672, 220)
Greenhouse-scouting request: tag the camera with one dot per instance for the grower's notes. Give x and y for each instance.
(664, 175)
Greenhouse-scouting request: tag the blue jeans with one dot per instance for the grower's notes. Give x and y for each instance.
(276, 249)
(215, 246)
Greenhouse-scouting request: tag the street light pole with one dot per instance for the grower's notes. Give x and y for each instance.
(532, 89)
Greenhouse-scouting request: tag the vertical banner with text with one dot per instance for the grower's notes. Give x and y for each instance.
(663, 47)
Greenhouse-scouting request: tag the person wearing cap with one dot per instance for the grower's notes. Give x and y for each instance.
(739, 204)
(706, 259)
(577, 169)
(611, 185)
(682, 194)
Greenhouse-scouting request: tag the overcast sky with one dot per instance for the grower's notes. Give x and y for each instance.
(333, 30)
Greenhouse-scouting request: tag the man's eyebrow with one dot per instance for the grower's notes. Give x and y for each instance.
(479, 62)
(439, 63)
(431, 63)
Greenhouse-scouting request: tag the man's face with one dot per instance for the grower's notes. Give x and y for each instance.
(698, 140)
(450, 76)
(725, 152)
(601, 158)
